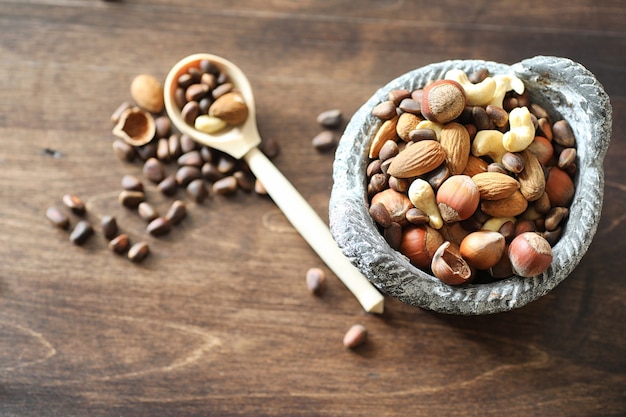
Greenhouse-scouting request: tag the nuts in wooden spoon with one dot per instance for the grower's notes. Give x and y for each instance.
(215, 102)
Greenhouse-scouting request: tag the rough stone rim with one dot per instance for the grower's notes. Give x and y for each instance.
(567, 90)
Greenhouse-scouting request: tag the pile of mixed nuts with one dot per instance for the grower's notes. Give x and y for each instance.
(470, 179)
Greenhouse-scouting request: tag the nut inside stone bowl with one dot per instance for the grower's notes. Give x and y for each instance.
(567, 91)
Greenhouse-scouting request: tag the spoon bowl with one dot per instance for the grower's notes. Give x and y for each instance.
(242, 142)
(234, 140)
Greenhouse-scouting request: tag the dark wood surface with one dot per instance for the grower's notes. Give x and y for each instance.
(217, 321)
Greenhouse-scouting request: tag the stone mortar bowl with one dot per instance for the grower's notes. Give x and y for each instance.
(566, 90)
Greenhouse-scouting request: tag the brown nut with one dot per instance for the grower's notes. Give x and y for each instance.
(530, 254)
(147, 92)
(560, 188)
(449, 266)
(495, 185)
(419, 158)
(316, 281)
(475, 165)
(532, 179)
(443, 101)
(542, 148)
(397, 204)
(380, 214)
(455, 140)
(512, 206)
(230, 107)
(355, 336)
(503, 268)
(457, 198)
(386, 131)
(483, 249)
(563, 134)
(419, 244)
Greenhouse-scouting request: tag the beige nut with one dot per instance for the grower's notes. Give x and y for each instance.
(427, 124)
(422, 196)
(209, 124)
(504, 84)
(478, 94)
(489, 143)
(521, 132)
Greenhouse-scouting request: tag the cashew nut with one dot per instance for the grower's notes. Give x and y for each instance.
(209, 124)
(504, 84)
(422, 196)
(427, 124)
(521, 132)
(479, 94)
(495, 223)
(489, 143)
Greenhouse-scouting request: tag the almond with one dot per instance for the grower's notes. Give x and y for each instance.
(455, 140)
(495, 185)
(231, 108)
(532, 179)
(475, 165)
(512, 206)
(147, 92)
(417, 159)
(386, 131)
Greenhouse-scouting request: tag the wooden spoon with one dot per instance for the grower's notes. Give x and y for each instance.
(241, 142)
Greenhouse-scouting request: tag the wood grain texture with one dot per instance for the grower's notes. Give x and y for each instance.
(218, 321)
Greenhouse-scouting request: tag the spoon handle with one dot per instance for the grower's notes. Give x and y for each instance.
(313, 230)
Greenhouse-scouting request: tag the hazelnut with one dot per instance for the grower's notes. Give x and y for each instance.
(559, 187)
(443, 101)
(543, 149)
(457, 198)
(530, 254)
(397, 204)
(449, 266)
(419, 244)
(483, 249)
(503, 268)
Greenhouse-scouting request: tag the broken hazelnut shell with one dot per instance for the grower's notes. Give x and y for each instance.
(135, 126)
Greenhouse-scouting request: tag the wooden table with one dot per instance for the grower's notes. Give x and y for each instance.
(217, 320)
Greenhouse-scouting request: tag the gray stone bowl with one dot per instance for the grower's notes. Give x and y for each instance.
(563, 87)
